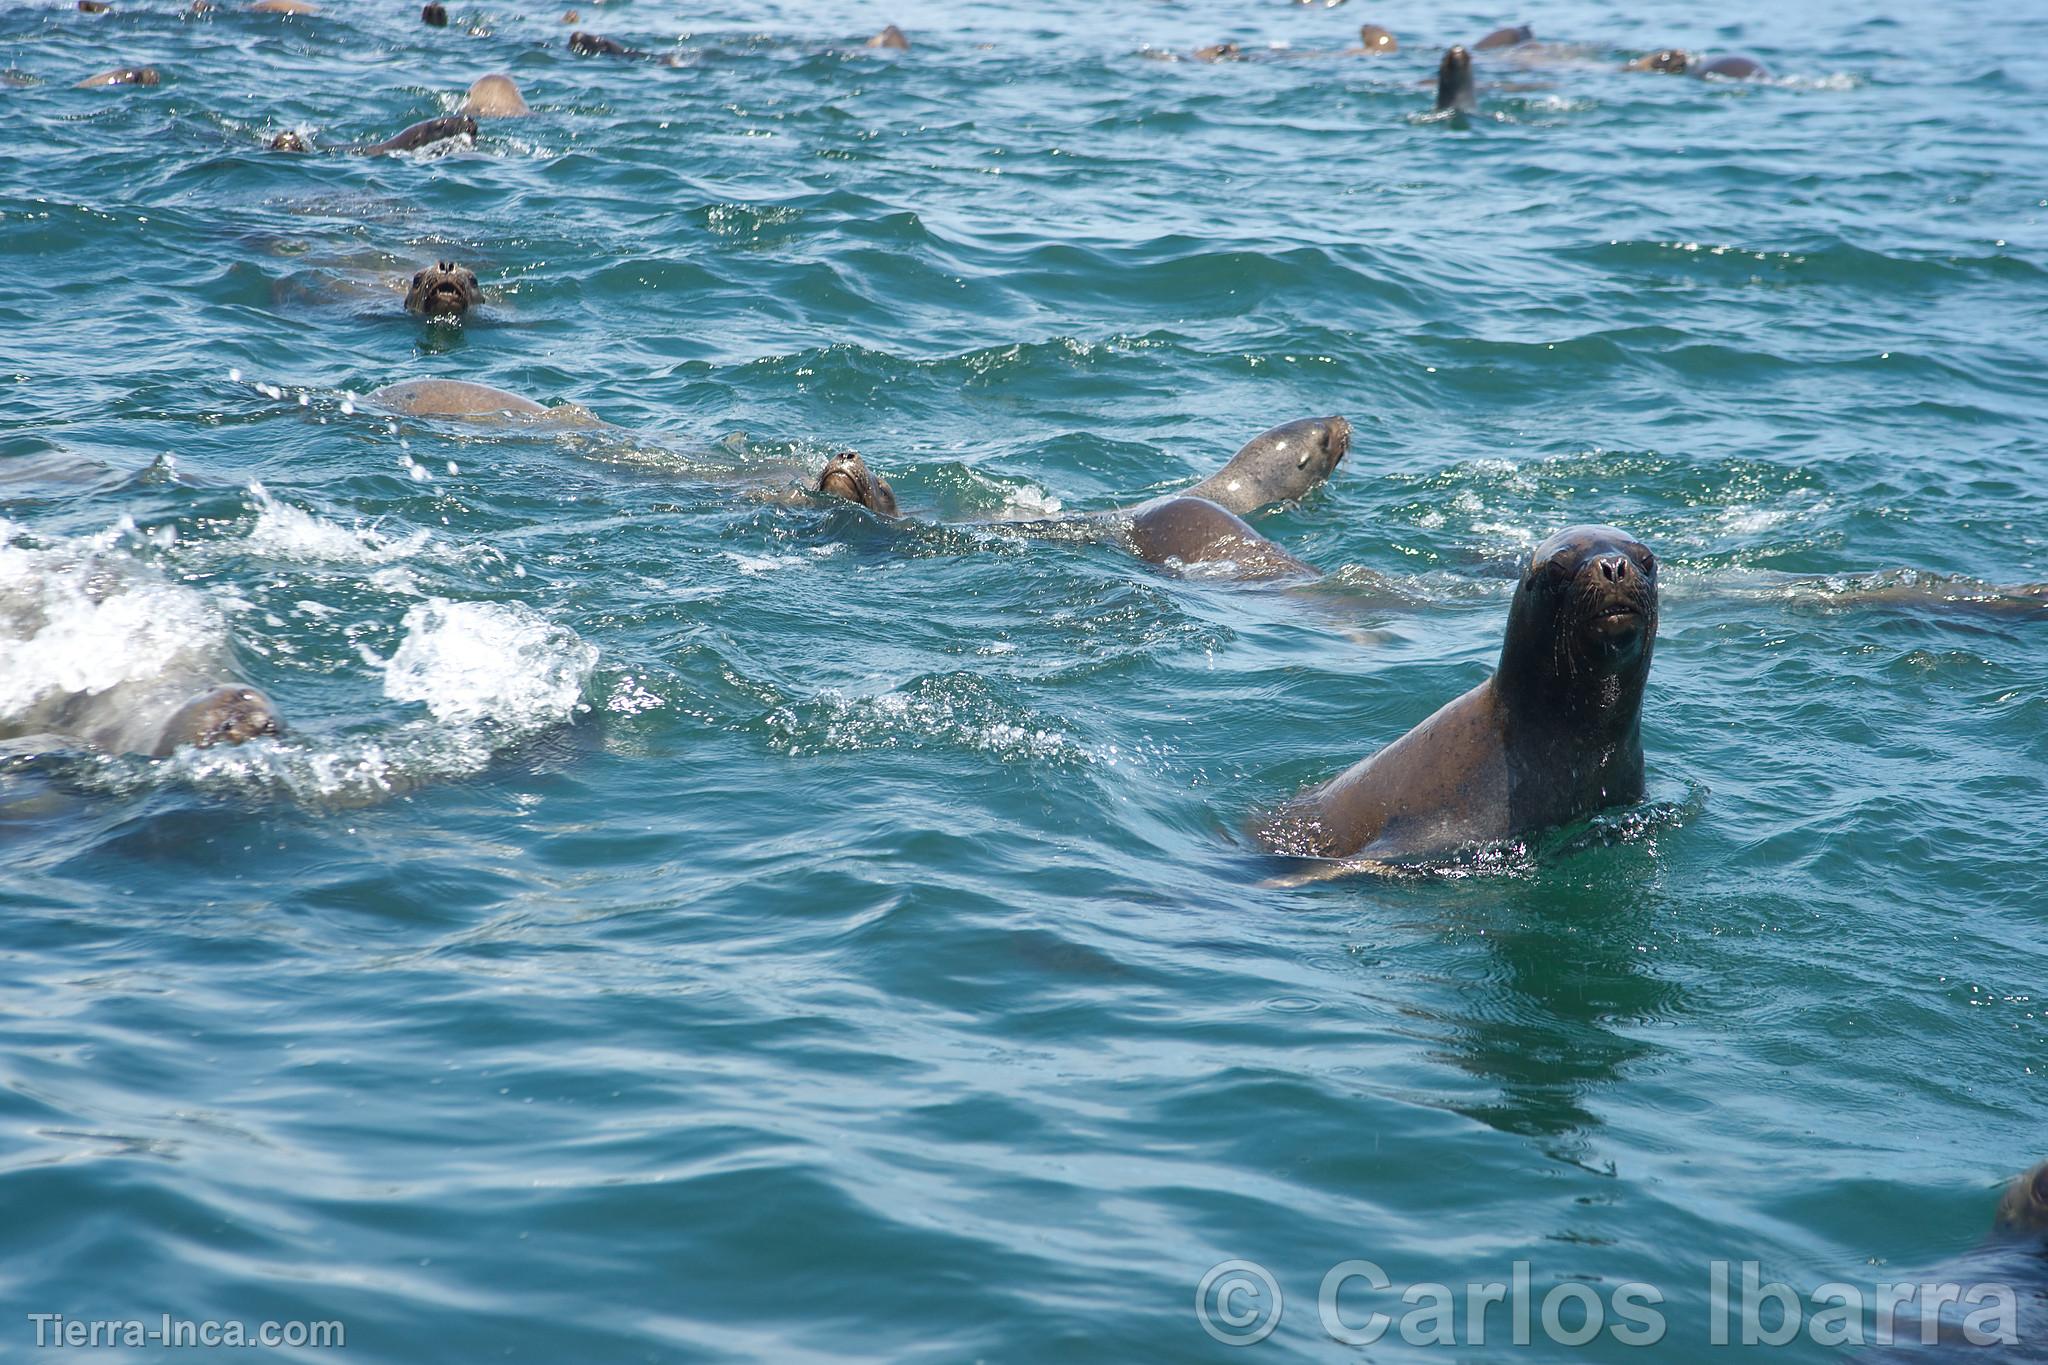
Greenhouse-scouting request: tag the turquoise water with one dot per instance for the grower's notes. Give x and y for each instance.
(689, 925)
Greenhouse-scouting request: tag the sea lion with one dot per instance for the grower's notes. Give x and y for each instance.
(846, 475)
(126, 75)
(892, 38)
(1278, 465)
(1984, 1324)
(94, 7)
(1553, 735)
(595, 45)
(494, 96)
(443, 290)
(1186, 531)
(1454, 90)
(229, 714)
(284, 7)
(1375, 41)
(1678, 62)
(425, 133)
(434, 15)
(289, 141)
(474, 402)
(1220, 52)
(1505, 37)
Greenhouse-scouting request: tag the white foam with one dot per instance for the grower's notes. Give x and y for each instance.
(285, 532)
(489, 661)
(87, 622)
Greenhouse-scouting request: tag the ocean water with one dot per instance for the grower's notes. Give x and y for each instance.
(691, 922)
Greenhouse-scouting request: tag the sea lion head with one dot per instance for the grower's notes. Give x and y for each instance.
(1279, 465)
(495, 96)
(596, 45)
(434, 15)
(1672, 61)
(443, 290)
(2024, 1210)
(846, 475)
(288, 141)
(892, 38)
(1584, 619)
(226, 715)
(1454, 82)
(1376, 40)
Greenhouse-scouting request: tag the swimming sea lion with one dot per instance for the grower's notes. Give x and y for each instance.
(476, 402)
(2001, 1317)
(1277, 465)
(595, 45)
(226, 715)
(425, 133)
(494, 96)
(126, 75)
(1554, 734)
(891, 37)
(434, 15)
(1505, 37)
(284, 7)
(1454, 89)
(1375, 41)
(289, 141)
(846, 475)
(93, 7)
(443, 290)
(1220, 52)
(1678, 62)
(1186, 531)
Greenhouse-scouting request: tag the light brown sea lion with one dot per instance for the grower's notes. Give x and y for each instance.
(494, 96)
(1220, 52)
(846, 475)
(891, 37)
(443, 290)
(1555, 734)
(230, 714)
(1505, 37)
(126, 75)
(459, 398)
(284, 7)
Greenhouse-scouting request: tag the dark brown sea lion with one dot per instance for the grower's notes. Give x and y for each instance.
(1678, 62)
(595, 45)
(1189, 533)
(434, 15)
(846, 475)
(891, 37)
(494, 96)
(1505, 37)
(289, 141)
(1553, 735)
(126, 75)
(1375, 41)
(226, 715)
(443, 290)
(1454, 89)
(94, 7)
(425, 133)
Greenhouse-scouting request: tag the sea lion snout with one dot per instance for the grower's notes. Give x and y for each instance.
(846, 475)
(2024, 1209)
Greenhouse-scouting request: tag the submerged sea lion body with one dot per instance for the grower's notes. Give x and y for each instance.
(1977, 1329)
(1454, 89)
(1375, 41)
(425, 133)
(459, 398)
(284, 7)
(494, 96)
(1191, 534)
(1553, 735)
(443, 290)
(124, 75)
(1514, 36)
